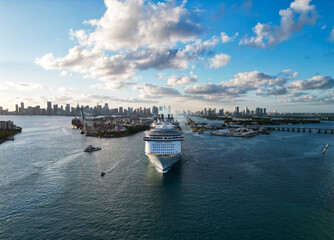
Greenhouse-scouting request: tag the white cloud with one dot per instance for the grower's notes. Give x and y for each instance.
(181, 80)
(253, 80)
(159, 58)
(316, 82)
(302, 6)
(161, 75)
(241, 83)
(199, 47)
(225, 38)
(118, 70)
(267, 35)
(153, 91)
(210, 89)
(278, 90)
(21, 86)
(133, 24)
(323, 27)
(92, 63)
(219, 60)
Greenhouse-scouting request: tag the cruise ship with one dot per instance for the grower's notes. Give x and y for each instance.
(163, 143)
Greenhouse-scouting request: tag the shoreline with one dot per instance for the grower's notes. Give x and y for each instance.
(7, 136)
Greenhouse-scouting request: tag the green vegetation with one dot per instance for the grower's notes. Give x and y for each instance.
(129, 131)
(196, 129)
(7, 133)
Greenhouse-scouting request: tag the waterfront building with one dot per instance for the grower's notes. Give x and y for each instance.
(49, 108)
(7, 125)
(55, 109)
(155, 110)
(236, 110)
(37, 110)
(67, 109)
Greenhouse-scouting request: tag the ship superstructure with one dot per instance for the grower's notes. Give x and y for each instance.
(163, 144)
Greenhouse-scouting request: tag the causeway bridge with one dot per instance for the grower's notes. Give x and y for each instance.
(301, 129)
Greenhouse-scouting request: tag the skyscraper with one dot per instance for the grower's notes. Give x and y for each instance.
(49, 108)
(55, 109)
(155, 110)
(236, 110)
(67, 109)
(22, 108)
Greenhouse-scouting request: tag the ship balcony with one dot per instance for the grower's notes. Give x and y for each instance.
(163, 139)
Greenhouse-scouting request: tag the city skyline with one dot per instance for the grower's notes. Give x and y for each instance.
(106, 109)
(186, 54)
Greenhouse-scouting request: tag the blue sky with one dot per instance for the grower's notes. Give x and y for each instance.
(188, 54)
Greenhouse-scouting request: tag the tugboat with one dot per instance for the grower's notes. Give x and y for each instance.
(90, 148)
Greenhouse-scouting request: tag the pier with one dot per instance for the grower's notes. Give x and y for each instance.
(301, 129)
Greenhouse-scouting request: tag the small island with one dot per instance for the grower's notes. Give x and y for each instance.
(111, 127)
(8, 130)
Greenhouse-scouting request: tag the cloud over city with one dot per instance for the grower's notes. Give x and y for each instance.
(292, 19)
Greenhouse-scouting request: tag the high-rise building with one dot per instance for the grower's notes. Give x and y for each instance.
(17, 109)
(67, 109)
(246, 112)
(120, 110)
(22, 108)
(155, 110)
(236, 110)
(55, 109)
(213, 112)
(221, 112)
(49, 108)
(37, 110)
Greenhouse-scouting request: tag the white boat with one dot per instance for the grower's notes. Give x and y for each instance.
(325, 149)
(90, 148)
(163, 146)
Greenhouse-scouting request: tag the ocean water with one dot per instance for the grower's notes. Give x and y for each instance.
(50, 189)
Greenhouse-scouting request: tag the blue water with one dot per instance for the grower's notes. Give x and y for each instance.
(50, 189)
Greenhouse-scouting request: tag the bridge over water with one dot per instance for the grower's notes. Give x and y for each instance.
(301, 129)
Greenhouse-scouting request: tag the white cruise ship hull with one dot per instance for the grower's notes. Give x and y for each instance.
(163, 163)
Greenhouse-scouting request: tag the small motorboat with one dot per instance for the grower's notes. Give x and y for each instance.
(102, 174)
(90, 148)
(325, 149)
